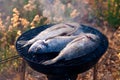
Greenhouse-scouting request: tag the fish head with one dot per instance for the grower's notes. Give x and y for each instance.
(38, 47)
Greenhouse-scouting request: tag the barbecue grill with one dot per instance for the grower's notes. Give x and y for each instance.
(64, 68)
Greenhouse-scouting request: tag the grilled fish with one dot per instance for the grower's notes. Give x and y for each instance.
(62, 29)
(51, 45)
(80, 46)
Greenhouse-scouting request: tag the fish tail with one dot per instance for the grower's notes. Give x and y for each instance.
(28, 43)
(49, 62)
(52, 61)
(75, 28)
(24, 43)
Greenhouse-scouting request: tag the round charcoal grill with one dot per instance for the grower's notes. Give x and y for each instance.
(63, 68)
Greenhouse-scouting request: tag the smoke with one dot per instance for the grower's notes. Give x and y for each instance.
(55, 10)
(66, 10)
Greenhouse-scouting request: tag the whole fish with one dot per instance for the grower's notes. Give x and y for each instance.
(82, 45)
(50, 45)
(62, 29)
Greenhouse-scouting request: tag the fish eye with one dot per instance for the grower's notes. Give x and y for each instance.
(44, 43)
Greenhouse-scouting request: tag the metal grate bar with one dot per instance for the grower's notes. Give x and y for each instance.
(9, 59)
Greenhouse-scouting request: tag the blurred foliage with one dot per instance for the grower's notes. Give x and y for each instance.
(22, 18)
(108, 10)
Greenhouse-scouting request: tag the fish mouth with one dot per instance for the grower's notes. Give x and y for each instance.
(38, 49)
(33, 50)
(44, 44)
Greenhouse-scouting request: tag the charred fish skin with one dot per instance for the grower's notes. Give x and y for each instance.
(79, 47)
(50, 45)
(56, 30)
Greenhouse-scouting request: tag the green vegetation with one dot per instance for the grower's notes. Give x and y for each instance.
(109, 10)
